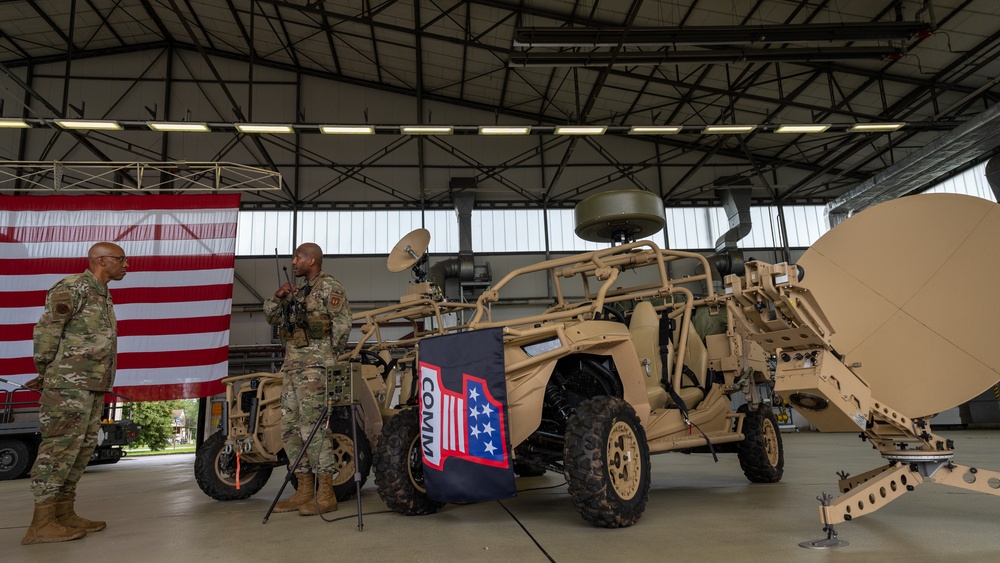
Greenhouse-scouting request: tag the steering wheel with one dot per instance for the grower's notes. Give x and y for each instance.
(371, 358)
(613, 314)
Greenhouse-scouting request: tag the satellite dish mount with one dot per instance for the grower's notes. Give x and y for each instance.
(411, 252)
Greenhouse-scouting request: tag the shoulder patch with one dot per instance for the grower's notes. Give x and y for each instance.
(336, 297)
(62, 303)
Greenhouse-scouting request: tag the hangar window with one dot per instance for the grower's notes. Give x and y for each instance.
(697, 228)
(501, 230)
(258, 233)
(341, 232)
(375, 232)
(971, 182)
(508, 230)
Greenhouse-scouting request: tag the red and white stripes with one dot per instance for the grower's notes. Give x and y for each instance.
(173, 306)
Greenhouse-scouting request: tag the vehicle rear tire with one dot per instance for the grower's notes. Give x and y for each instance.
(606, 462)
(761, 454)
(15, 459)
(343, 447)
(215, 472)
(399, 469)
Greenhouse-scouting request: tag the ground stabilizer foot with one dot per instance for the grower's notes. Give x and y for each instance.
(830, 541)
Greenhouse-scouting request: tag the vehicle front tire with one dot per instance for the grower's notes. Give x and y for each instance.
(215, 472)
(606, 462)
(343, 448)
(761, 454)
(399, 469)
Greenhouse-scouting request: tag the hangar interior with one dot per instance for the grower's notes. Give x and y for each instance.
(479, 106)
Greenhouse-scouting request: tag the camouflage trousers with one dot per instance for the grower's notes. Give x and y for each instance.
(69, 420)
(302, 399)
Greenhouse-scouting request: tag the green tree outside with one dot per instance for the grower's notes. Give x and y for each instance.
(156, 418)
(190, 407)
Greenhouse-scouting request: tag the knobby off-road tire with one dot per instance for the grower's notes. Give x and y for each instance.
(761, 455)
(399, 469)
(216, 472)
(606, 462)
(343, 447)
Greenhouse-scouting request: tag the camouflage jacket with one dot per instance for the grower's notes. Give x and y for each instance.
(76, 340)
(319, 331)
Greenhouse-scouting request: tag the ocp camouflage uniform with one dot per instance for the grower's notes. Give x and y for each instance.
(319, 335)
(75, 352)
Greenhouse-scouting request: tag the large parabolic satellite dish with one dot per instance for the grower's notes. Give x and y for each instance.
(910, 288)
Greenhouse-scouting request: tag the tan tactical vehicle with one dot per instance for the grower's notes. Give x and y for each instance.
(597, 383)
(869, 346)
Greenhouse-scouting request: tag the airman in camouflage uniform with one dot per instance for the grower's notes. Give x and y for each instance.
(75, 351)
(315, 319)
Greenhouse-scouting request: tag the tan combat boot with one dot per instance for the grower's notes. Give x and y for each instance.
(326, 498)
(45, 529)
(303, 494)
(66, 516)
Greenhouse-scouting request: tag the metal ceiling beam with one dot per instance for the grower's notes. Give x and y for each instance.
(80, 138)
(52, 25)
(354, 172)
(595, 37)
(848, 148)
(164, 32)
(222, 85)
(731, 55)
(104, 21)
(485, 170)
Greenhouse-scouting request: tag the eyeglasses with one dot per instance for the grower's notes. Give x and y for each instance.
(120, 259)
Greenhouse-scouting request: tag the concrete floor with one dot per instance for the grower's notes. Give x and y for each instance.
(697, 511)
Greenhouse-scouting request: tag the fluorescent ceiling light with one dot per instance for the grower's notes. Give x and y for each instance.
(426, 129)
(729, 129)
(347, 129)
(187, 126)
(803, 128)
(102, 125)
(580, 130)
(262, 128)
(504, 130)
(874, 127)
(13, 123)
(654, 129)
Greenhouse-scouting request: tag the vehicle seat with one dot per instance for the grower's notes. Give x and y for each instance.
(696, 360)
(644, 327)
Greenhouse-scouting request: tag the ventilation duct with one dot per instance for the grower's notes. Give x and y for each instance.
(735, 196)
(463, 267)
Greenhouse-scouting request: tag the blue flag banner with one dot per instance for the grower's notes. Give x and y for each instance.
(464, 435)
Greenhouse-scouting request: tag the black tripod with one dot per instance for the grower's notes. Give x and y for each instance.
(324, 418)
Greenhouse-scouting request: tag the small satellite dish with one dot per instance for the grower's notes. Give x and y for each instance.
(409, 250)
(619, 216)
